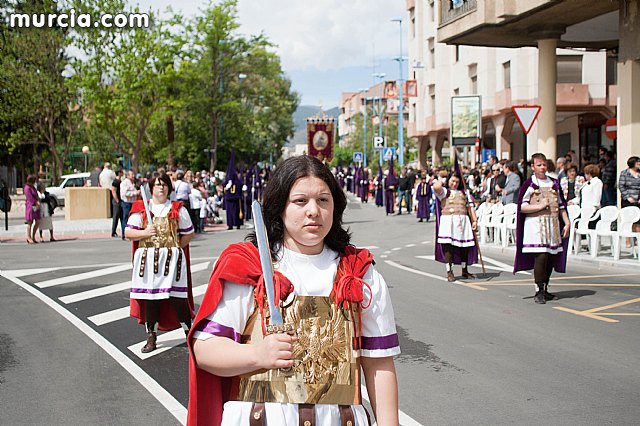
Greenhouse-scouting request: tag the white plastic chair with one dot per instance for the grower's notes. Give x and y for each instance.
(582, 228)
(573, 211)
(484, 220)
(627, 216)
(608, 215)
(496, 221)
(508, 223)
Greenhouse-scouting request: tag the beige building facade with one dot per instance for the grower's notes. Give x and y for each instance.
(577, 59)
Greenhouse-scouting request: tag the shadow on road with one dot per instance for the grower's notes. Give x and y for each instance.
(570, 294)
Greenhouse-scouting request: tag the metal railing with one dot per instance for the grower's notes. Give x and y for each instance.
(450, 10)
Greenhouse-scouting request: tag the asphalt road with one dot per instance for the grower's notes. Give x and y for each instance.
(473, 352)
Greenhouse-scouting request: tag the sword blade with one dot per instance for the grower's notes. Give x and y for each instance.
(145, 201)
(265, 261)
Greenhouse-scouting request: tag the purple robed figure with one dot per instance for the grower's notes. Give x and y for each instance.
(423, 194)
(248, 194)
(349, 179)
(31, 209)
(390, 187)
(364, 185)
(472, 252)
(378, 188)
(232, 194)
(356, 181)
(525, 261)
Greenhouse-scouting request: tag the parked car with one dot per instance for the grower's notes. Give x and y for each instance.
(66, 181)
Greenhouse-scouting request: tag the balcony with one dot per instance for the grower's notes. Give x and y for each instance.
(449, 13)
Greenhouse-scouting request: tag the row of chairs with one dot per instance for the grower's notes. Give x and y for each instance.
(624, 218)
(497, 224)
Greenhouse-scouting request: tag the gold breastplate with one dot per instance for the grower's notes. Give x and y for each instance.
(166, 234)
(537, 198)
(455, 204)
(326, 368)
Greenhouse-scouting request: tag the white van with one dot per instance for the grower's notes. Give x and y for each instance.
(66, 181)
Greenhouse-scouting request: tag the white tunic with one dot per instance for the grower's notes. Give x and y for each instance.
(156, 286)
(535, 241)
(455, 229)
(310, 276)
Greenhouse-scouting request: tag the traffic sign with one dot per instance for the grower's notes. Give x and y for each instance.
(526, 115)
(378, 142)
(357, 157)
(611, 128)
(388, 154)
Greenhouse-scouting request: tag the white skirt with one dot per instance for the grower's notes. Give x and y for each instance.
(238, 412)
(157, 286)
(539, 235)
(455, 230)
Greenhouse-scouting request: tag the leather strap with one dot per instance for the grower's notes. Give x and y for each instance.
(306, 414)
(346, 416)
(258, 416)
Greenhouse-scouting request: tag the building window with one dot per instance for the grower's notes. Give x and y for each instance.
(432, 95)
(432, 10)
(570, 69)
(432, 52)
(473, 76)
(506, 72)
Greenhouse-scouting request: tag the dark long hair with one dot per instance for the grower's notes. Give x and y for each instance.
(276, 196)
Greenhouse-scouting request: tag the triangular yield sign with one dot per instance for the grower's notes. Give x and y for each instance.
(526, 115)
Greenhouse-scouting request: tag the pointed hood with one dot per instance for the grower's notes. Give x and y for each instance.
(231, 170)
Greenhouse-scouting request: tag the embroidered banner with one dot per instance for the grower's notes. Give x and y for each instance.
(320, 135)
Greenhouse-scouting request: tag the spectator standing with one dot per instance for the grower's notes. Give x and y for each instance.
(129, 194)
(107, 176)
(116, 203)
(630, 186)
(609, 180)
(512, 184)
(31, 209)
(46, 211)
(572, 184)
(403, 188)
(560, 168)
(591, 193)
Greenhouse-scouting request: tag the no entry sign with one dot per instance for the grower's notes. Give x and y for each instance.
(611, 128)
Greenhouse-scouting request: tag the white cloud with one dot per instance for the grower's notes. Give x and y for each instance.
(326, 34)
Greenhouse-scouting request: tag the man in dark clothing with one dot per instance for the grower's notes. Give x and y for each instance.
(403, 188)
(116, 205)
(609, 174)
(413, 176)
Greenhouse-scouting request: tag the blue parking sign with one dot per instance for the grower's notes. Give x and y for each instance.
(357, 157)
(388, 154)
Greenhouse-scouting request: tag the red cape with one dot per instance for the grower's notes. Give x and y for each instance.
(168, 320)
(239, 263)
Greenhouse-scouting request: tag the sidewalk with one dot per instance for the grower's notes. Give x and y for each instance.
(69, 229)
(604, 260)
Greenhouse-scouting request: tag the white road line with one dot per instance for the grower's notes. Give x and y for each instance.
(500, 266)
(96, 292)
(425, 242)
(370, 247)
(387, 252)
(165, 342)
(383, 256)
(23, 272)
(405, 419)
(110, 316)
(410, 245)
(83, 276)
(199, 267)
(396, 248)
(506, 266)
(165, 398)
(436, 277)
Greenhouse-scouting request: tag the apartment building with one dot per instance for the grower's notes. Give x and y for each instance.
(567, 60)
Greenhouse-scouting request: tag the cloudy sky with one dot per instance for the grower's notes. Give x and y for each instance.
(326, 46)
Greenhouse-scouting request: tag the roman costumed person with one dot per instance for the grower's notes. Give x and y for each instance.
(327, 291)
(423, 195)
(161, 280)
(542, 228)
(456, 222)
(390, 187)
(233, 195)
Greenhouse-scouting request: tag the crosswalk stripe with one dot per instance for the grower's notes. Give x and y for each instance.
(164, 342)
(24, 272)
(96, 292)
(122, 313)
(83, 276)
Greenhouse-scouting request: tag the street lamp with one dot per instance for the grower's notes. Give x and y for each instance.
(85, 151)
(400, 107)
(364, 101)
